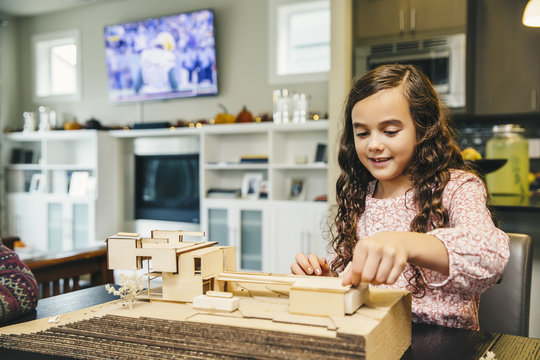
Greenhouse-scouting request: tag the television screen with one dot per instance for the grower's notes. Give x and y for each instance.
(167, 187)
(162, 58)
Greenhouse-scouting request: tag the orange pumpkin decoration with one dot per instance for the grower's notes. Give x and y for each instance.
(244, 116)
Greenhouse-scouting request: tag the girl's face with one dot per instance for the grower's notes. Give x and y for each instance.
(385, 136)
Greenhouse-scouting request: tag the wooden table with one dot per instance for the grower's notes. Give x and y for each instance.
(428, 341)
(69, 267)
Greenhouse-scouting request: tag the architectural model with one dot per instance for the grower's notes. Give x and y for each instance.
(205, 309)
(205, 274)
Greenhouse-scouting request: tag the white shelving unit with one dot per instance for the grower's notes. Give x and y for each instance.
(48, 217)
(264, 238)
(267, 231)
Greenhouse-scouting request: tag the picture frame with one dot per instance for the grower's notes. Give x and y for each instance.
(321, 154)
(78, 183)
(251, 185)
(297, 189)
(37, 184)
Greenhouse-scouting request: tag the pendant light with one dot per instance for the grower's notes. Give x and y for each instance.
(531, 15)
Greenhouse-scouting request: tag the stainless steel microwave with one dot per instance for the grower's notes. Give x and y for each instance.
(441, 58)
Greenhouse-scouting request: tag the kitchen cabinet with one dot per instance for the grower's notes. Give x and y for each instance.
(406, 18)
(298, 227)
(506, 66)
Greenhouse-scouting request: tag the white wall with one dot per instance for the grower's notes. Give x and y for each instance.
(242, 59)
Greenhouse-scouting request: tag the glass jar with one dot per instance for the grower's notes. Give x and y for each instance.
(508, 143)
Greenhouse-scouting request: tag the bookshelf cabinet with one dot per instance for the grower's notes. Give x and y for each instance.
(61, 188)
(268, 229)
(236, 162)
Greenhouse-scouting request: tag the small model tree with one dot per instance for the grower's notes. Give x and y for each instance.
(130, 288)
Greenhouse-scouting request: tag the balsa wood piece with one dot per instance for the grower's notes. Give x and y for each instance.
(356, 297)
(216, 303)
(128, 234)
(220, 294)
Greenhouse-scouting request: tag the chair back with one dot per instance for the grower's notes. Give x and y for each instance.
(505, 307)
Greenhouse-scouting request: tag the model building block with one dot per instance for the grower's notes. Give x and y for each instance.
(215, 300)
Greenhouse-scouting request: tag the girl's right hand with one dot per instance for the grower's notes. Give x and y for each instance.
(311, 265)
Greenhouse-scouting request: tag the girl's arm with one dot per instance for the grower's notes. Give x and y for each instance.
(381, 258)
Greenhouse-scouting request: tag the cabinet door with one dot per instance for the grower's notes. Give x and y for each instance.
(427, 15)
(297, 228)
(251, 239)
(218, 226)
(317, 231)
(506, 66)
(68, 226)
(379, 17)
(27, 220)
(242, 227)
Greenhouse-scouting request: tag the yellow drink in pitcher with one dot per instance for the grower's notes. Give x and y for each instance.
(508, 143)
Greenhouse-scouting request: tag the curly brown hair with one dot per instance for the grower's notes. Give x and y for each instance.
(435, 154)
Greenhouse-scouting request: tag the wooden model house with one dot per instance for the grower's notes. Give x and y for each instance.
(205, 274)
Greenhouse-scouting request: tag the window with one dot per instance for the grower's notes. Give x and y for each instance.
(197, 265)
(299, 40)
(57, 66)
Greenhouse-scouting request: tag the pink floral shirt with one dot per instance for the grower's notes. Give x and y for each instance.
(477, 250)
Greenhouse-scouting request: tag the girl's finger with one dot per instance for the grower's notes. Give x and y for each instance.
(383, 271)
(315, 266)
(372, 266)
(302, 260)
(297, 270)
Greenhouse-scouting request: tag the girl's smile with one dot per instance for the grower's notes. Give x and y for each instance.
(385, 139)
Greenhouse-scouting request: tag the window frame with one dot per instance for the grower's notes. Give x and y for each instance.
(275, 46)
(49, 40)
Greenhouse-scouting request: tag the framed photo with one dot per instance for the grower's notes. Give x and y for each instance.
(78, 184)
(37, 184)
(321, 155)
(251, 185)
(297, 189)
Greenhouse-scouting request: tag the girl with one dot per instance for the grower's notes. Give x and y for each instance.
(410, 213)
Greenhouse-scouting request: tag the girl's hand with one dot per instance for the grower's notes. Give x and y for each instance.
(311, 265)
(378, 259)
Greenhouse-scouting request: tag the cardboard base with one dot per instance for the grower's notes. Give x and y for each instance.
(381, 329)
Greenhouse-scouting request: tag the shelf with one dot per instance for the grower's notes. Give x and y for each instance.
(67, 135)
(313, 166)
(236, 166)
(311, 125)
(53, 197)
(39, 167)
(172, 131)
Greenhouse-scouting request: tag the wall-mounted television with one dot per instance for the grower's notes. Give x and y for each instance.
(162, 58)
(167, 187)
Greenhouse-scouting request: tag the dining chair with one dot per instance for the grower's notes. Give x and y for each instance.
(505, 307)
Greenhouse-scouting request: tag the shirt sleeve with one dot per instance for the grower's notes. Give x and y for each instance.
(478, 251)
(19, 291)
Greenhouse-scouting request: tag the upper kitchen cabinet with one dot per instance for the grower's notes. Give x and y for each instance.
(406, 18)
(506, 64)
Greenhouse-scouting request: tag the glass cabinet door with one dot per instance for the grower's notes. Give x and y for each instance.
(241, 228)
(79, 224)
(218, 229)
(55, 227)
(251, 233)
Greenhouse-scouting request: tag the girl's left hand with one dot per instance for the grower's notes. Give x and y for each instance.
(378, 259)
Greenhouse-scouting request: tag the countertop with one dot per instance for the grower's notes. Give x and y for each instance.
(518, 202)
